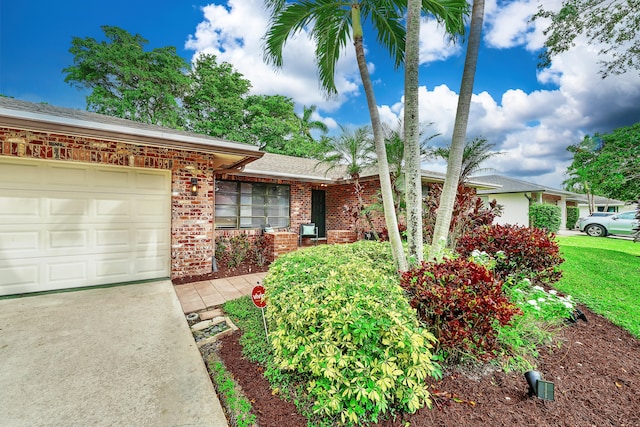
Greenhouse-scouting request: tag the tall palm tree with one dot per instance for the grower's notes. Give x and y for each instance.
(454, 163)
(331, 24)
(475, 153)
(413, 180)
(354, 151)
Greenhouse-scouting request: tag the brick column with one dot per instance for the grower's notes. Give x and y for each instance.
(279, 243)
(340, 236)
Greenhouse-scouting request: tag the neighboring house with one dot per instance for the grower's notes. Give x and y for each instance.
(602, 204)
(88, 199)
(516, 196)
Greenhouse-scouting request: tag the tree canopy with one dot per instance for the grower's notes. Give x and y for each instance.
(159, 87)
(611, 24)
(607, 164)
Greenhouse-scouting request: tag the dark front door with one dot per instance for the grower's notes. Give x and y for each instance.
(318, 212)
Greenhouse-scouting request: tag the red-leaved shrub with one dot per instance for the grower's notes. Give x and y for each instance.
(468, 213)
(528, 252)
(462, 304)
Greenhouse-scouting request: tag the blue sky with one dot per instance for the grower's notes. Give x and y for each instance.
(531, 115)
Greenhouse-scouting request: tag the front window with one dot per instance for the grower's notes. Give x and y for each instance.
(251, 205)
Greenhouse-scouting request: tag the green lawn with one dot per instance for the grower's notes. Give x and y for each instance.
(603, 274)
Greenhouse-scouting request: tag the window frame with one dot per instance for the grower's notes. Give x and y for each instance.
(247, 211)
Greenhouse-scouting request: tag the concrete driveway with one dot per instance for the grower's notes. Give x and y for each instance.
(120, 356)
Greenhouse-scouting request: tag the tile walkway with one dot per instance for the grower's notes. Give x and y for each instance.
(210, 293)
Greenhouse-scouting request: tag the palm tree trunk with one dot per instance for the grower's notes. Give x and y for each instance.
(381, 151)
(454, 164)
(413, 180)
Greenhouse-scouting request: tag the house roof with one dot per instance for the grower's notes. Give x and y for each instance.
(48, 118)
(311, 170)
(511, 185)
(600, 201)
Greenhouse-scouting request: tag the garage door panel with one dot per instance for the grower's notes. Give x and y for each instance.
(15, 207)
(69, 239)
(58, 206)
(15, 240)
(64, 272)
(153, 183)
(81, 225)
(20, 173)
(68, 175)
(15, 275)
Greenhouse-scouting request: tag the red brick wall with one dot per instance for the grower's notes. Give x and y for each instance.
(339, 196)
(192, 216)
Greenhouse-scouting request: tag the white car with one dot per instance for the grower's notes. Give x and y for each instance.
(622, 224)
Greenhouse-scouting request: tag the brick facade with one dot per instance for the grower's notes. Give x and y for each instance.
(192, 216)
(341, 196)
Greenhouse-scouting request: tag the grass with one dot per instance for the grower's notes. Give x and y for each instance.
(603, 274)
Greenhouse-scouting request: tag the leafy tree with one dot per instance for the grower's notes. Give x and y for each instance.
(354, 150)
(454, 163)
(126, 81)
(607, 164)
(613, 24)
(475, 152)
(331, 25)
(215, 99)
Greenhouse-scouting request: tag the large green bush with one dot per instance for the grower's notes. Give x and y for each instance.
(338, 318)
(547, 217)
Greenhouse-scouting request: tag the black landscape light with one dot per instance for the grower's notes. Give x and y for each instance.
(538, 387)
(577, 315)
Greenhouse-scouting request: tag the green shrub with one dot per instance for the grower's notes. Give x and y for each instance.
(463, 303)
(547, 217)
(238, 250)
(338, 318)
(519, 252)
(573, 214)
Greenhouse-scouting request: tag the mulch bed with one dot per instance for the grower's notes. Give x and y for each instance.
(247, 267)
(595, 371)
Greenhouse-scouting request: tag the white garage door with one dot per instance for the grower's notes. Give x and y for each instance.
(66, 225)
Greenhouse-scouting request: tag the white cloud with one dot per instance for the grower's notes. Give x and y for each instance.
(532, 128)
(234, 34)
(434, 44)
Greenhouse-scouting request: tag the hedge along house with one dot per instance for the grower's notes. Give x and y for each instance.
(87, 199)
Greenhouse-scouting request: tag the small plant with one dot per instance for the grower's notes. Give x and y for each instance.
(543, 312)
(259, 250)
(221, 248)
(238, 407)
(462, 303)
(520, 252)
(238, 250)
(547, 217)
